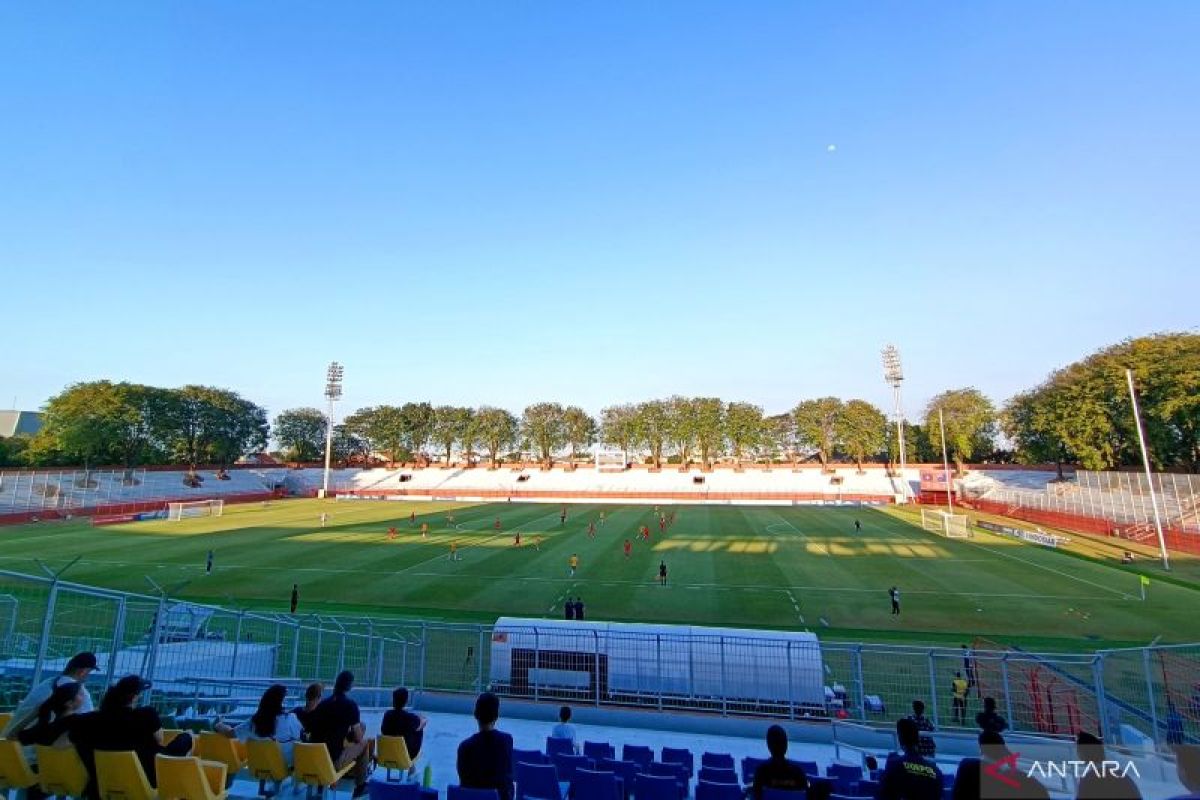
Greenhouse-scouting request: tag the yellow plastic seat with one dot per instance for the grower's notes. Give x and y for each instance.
(119, 776)
(60, 771)
(15, 772)
(264, 759)
(171, 734)
(189, 778)
(5, 718)
(220, 748)
(314, 768)
(393, 754)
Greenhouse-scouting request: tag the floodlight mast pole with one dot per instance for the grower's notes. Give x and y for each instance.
(946, 465)
(333, 393)
(1137, 421)
(894, 375)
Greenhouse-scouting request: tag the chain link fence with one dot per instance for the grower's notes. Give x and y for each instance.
(203, 657)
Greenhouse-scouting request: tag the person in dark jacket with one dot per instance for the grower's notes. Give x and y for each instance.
(485, 758)
(1098, 783)
(777, 772)
(988, 719)
(910, 775)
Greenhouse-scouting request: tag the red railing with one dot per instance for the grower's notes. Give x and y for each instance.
(567, 494)
(122, 509)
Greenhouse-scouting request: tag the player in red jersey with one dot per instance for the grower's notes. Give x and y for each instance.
(592, 530)
(628, 548)
(392, 533)
(517, 540)
(496, 524)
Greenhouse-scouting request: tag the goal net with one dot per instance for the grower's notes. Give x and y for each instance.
(952, 526)
(197, 508)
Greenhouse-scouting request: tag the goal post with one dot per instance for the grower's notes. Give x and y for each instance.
(952, 526)
(195, 508)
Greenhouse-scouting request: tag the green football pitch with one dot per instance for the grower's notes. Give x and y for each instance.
(746, 566)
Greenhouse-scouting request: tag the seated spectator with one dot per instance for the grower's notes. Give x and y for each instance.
(564, 729)
(399, 722)
(1015, 784)
(485, 758)
(269, 722)
(928, 745)
(1187, 764)
(55, 718)
(777, 772)
(312, 696)
(909, 775)
(121, 725)
(988, 719)
(77, 671)
(336, 723)
(1095, 783)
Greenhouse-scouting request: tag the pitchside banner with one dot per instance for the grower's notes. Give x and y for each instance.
(1036, 537)
(935, 480)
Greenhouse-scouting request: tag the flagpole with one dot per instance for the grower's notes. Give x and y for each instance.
(946, 466)
(1137, 421)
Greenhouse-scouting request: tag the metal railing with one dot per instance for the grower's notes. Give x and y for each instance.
(195, 653)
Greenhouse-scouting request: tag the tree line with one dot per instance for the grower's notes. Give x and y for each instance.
(1080, 414)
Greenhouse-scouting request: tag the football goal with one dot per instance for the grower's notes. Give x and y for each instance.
(197, 508)
(952, 526)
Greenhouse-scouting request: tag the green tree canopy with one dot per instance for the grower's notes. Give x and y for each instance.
(861, 430)
(301, 432)
(816, 426)
(618, 426)
(652, 428)
(450, 426)
(543, 427)
(579, 429)
(496, 429)
(744, 428)
(970, 420)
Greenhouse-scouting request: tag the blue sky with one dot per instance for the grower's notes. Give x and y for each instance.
(591, 202)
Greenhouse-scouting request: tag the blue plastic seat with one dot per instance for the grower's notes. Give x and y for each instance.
(844, 772)
(455, 792)
(716, 760)
(384, 790)
(782, 794)
(626, 771)
(556, 746)
(708, 790)
(750, 765)
(655, 787)
(714, 775)
(593, 785)
(867, 788)
(810, 768)
(538, 780)
(679, 755)
(528, 757)
(568, 764)
(599, 750)
(638, 754)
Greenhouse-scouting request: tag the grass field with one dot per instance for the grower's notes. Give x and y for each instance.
(777, 567)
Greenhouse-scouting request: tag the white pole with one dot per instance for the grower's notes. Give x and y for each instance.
(900, 437)
(1137, 421)
(946, 466)
(328, 448)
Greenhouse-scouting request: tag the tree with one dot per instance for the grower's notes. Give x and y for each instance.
(450, 424)
(970, 421)
(211, 424)
(816, 426)
(348, 446)
(744, 428)
(543, 427)
(416, 424)
(497, 429)
(651, 428)
(780, 436)
(579, 429)
(710, 427)
(13, 450)
(301, 432)
(681, 427)
(384, 429)
(861, 429)
(83, 422)
(618, 427)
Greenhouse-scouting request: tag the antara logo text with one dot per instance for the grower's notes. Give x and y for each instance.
(1002, 769)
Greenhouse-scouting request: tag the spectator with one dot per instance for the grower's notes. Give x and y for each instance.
(910, 776)
(485, 759)
(77, 670)
(578, 608)
(336, 723)
(56, 719)
(569, 609)
(564, 729)
(1015, 784)
(988, 719)
(1097, 783)
(777, 772)
(399, 722)
(270, 722)
(928, 746)
(1187, 763)
(312, 696)
(121, 725)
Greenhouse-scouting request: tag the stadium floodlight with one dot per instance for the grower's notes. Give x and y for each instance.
(333, 393)
(1137, 421)
(894, 375)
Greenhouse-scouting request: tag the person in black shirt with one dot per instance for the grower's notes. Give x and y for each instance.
(777, 772)
(121, 725)
(988, 719)
(485, 759)
(1004, 780)
(909, 775)
(335, 723)
(295, 597)
(928, 746)
(578, 608)
(312, 696)
(569, 609)
(399, 722)
(1096, 783)
(55, 717)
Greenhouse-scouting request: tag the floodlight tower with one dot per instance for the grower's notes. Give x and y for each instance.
(333, 393)
(894, 375)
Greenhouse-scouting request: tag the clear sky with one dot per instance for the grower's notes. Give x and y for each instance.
(591, 202)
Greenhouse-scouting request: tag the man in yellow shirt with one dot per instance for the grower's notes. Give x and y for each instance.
(959, 687)
(574, 562)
